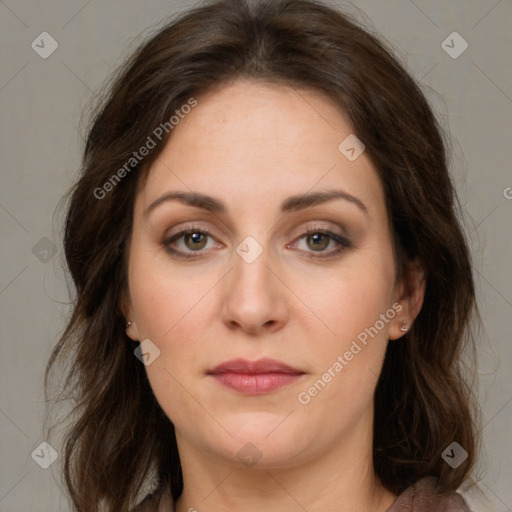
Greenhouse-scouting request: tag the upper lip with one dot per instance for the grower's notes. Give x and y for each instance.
(264, 365)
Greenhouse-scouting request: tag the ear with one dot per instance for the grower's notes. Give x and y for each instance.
(410, 293)
(126, 307)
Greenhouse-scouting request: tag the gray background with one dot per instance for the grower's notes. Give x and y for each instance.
(42, 103)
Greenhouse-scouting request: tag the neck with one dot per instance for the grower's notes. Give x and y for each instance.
(340, 480)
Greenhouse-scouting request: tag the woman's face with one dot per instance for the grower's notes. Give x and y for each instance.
(257, 285)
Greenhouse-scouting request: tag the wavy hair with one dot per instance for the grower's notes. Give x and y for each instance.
(119, 438)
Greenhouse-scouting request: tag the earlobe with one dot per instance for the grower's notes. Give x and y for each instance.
(399, 326)
(131, 331)
(412, 294)
(131, 327)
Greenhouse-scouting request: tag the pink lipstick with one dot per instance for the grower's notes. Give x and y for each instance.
(255, 377)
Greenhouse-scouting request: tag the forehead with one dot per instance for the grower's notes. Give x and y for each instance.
(253, 143)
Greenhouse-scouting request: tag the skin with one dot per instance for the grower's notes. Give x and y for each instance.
(252, 145)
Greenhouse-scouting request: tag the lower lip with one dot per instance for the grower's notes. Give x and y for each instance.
(256, 383)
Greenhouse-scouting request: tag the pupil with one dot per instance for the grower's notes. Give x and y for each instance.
(195, 238)
(317, 240)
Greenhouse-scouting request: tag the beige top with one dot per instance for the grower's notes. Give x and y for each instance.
(420, 497)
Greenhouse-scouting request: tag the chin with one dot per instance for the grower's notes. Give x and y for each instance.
(257, 425)
(265, 437)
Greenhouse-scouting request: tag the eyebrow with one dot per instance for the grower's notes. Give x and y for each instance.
(292, 203)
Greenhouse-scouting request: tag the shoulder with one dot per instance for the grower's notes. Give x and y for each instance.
(423, 497)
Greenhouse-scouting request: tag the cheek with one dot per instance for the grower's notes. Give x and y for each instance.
(168, 312)
(164, 299)
(169, 308)
(354, 307)
(173, 316)
(350, 298)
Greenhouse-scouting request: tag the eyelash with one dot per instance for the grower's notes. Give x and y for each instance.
(343, 242)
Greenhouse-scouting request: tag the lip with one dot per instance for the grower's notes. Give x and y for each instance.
(255, 377)
(263, 365)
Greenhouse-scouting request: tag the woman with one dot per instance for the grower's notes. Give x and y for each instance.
(273, 289)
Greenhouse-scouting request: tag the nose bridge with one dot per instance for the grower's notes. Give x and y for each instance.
(251, 264)
(252, 275)
(251, 297)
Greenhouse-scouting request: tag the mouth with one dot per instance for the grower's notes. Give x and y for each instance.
(255, 377)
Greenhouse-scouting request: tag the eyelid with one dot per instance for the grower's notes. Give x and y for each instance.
(342, 240)
(166, 243)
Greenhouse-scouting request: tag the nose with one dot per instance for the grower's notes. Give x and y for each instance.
(255, 297)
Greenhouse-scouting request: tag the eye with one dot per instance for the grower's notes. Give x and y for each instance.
(318, 239)
(195, 240)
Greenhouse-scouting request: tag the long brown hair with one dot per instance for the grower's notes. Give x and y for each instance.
(119, 437)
